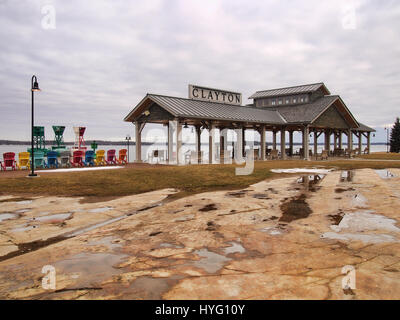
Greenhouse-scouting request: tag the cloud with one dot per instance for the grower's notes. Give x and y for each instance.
(104, 56)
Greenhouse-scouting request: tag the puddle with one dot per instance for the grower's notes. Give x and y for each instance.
(92, 268)
(262, 196)
(97, 225)
(347, 176)
(365, 221)
(24, 202)
(367, 238)
(385, 173)
(272, 231)
(22, 210)
(185, 218)
(8, 216)
(359, 201)
(303, 170)
(209, 207)
(356, 223)
(108, 242)
(23, 228)
(54, 218)
(38, 244)
(309, 181)
(211, 262)
(237, 194)
(234, 248)
(295, 209)
(341, 190)
(98, 210)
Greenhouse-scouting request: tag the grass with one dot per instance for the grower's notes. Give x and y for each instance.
(381, 156)
(95, 185)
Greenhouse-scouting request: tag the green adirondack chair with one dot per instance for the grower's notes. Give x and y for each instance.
(39, 159)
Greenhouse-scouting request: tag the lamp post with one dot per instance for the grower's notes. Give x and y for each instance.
(128, 138)
(34, 87)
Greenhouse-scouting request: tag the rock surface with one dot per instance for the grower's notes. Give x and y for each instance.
(287, 238)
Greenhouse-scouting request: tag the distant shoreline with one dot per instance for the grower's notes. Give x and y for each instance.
(124, 143)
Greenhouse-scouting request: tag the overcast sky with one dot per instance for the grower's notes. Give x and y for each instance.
(96, 59)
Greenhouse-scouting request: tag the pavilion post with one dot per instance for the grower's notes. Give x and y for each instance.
(283, 143)
(224, 145)
(340, 140)
(359, 142)
(327, 140)
(315, 143)
(170, 142)
(369, 142)
(334, 140)
(198, 143)
(306, 132)
(291, 143)
(262, 142)
(274, 140)
(179, 155)
(244, 142)
(211, 144)
(349, 140)
(138, 141)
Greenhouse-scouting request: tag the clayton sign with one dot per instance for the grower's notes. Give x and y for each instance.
(214, 95)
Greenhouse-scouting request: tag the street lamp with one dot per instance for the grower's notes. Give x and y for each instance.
(34, 87)
(128, 138)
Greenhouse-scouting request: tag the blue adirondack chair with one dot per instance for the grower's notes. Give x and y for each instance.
(39, 159)
(52, 160)
(89, 158)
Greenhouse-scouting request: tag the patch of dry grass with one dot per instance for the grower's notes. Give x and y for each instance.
(381, 156)
(138, 179)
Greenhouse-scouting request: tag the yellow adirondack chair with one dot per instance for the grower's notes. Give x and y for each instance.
(23, 160)
(100, 158)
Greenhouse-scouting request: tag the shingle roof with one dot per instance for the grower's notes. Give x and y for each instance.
(288, 90)
(364, 128)
(307, 112)
(185, 108)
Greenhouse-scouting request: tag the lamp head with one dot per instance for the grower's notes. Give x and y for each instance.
(35, 85)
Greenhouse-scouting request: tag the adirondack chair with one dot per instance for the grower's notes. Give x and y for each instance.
(52, 159)
(366, 150)
(64, 157)
(100, 159)
(77, 158)
(274, 154)
(122, 156)
(9, 161)
(24, 160)
(39, 161)
(111, 159)
(89, 158)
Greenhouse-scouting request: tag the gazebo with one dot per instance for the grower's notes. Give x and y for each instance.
(310, 109)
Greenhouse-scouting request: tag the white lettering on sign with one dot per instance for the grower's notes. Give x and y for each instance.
(214, 95)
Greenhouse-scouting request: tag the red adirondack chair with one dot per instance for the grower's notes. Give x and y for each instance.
(111, 157)
(9, 161)
(122, 157)
(77, 158)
